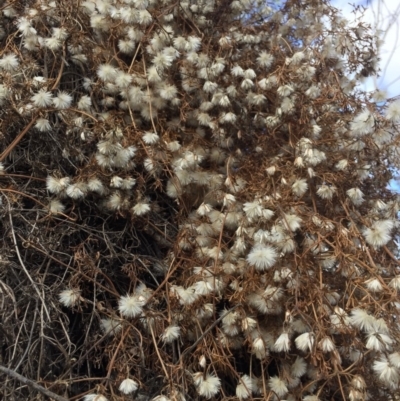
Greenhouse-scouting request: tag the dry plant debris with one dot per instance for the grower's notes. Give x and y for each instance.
(195, 204)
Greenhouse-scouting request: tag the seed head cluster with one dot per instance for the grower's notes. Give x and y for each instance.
(195, 202)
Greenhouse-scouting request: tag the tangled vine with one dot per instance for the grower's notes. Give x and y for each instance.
(195, 204)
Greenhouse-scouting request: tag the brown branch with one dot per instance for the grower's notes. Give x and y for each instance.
(111, 364)
(60, 71)
(391, 255)
(31, 383)
(193, 346)
(34, 199)
(17, 139)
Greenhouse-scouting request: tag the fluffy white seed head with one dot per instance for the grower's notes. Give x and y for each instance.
(63, 100)
(150, 138)
(9, 62)
(262, 257)
(311, 397)
(60, 33)
(362, 124)
(378, 341)
(374, 285)
(107, 72)
(128, 386)
(326, 345)
(313, 91)
(53, 43)
(186, 296)
(394, 359)
(237, 71)
(244, 388)
(282, 344)
(168, 92)
(393, 111)
(385, 371)
(342, 164)
(380, 96)
(95, 185)
(43, 125)
(299, 367)
(131, 305)
(95, 397)
(285, 90)
(379, 233)
(253, 209)
(305, 341)
(110, 326)
(141, 209)
(25, 27)
(76, 191)
(84, 103)
(55, 206)
(299, 187)
(57, 185)
(171, 333)
(326, 191)
(358, 382)
(291, 222)
(278, 386)
(395, 283)
(356, 196)
(126, 46)
(207, 385)
(69, 297)
(361, 319)
(42, 98)
(265, 60)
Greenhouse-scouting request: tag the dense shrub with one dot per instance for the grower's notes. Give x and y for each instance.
(195, 204)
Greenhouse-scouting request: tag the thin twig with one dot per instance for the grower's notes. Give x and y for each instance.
(111, 364)
(31, 383)
(35, 200)
(193, 346)
(60, 71)
(158, 353)
(17, 139)
(22, 262)
(30, 338)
